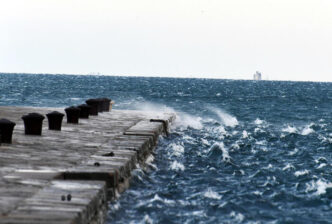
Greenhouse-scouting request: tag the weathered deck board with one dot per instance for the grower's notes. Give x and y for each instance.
(90, 161)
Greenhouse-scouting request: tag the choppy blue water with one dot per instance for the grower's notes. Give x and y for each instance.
(239, 152)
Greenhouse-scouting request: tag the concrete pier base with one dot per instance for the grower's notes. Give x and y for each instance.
(69, 176)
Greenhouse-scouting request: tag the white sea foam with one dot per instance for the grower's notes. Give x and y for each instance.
(262, 142)
(291, 153)
(258, 193)
(270, 166)
(238, 217)
(209, 193)
(224, 117)
(220, 130)
(149, 162)
(301, 172)
(177, 166)
(307, 130)
(288, 166)
(235, 146)
(188, 139)
(176, 149)
(145, 220)
(116, 206)
(158, 198)
(290, 129)
(75, 98)
(321, 165)
(205, 142)
(318, 186)
(259, 130)
(245, 134)
(258, 121)
(150, 159)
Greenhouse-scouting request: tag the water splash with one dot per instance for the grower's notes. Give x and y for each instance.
(224, 117)
(177, 166)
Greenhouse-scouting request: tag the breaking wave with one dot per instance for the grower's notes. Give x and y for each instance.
(238, 152)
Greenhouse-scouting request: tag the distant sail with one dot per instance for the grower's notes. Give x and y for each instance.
(258, 76)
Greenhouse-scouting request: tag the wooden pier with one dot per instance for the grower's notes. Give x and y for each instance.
(69, 176)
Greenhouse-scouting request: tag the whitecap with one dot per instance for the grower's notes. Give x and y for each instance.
(235, 146)
(223, 204)
(177, 166)
(301, 172)
(198, 213)
(245, 134)
(318, 186)
(146, 220)
(204, 141)
(262, 142)
(258, 121)
(321, 165)
(259, 130)
(270, 166)
(290, 129)
(320, 159)
(220, 130)
(188, 139)
(176, 149)
(291, 153)
(288, 166)
(307, 130)
(75, 98)
(158, 198)
(238, 217)
(212, 194)
(257, 193)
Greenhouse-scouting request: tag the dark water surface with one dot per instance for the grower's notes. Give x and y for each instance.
(239, 152)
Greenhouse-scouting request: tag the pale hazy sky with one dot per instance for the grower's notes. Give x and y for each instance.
(284, 39)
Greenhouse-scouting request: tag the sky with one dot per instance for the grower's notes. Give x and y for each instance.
(283, 39)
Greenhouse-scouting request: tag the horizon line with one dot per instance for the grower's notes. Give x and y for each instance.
(155, 76)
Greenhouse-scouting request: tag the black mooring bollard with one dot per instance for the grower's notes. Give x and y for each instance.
(73, 114)
(93, 103)
(85, 110)
(6, 130)
(100, 104)
(106, 104)
(55, 120)
(33, 123)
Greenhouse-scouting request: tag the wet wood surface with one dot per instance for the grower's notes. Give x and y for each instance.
(69, 176)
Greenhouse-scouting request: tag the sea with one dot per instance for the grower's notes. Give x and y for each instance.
(240, 151)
